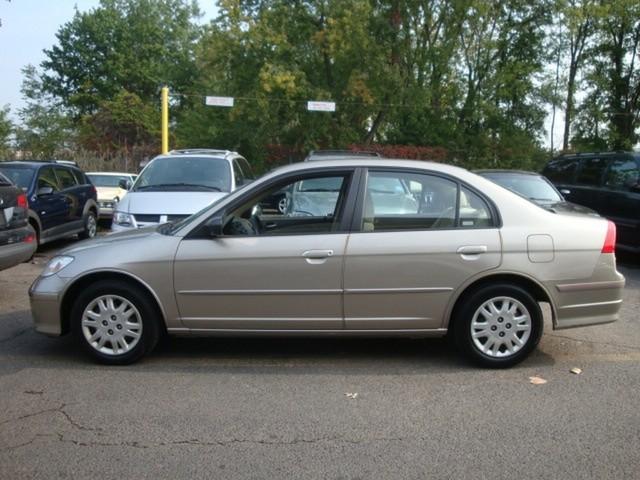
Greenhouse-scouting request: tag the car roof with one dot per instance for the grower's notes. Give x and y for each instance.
(373, 162)
(573, 156)
(506, 170)
(315, 155)
(39, 163)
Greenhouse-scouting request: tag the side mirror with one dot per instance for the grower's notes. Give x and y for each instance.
(213, 227)
(42, 191)
(125, 184)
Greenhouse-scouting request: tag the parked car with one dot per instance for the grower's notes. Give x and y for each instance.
(467, 256)
(62, 200)
(608, 183)
(110, 189)
(536, 188)
(17, 237)
(173, 186)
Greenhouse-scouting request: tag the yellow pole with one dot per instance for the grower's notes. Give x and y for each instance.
(165, 120)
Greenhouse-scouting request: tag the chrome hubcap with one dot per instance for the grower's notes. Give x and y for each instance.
(282, 205)
(112, 325)
(91, 226)
(501, 327)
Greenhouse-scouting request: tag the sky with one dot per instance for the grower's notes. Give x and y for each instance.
(29, 26)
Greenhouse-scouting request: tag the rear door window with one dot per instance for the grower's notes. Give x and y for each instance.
(66, 178)
(591, 171)
(623, 174)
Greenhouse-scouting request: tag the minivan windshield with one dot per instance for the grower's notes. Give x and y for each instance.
(533, 187)
(20, 176)
(180, 173)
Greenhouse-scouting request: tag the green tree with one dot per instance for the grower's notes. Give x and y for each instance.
(6, 131)
(45, 130)
(135, 45)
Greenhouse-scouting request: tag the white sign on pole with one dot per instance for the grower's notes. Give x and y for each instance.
(321, 106)
(219, 101)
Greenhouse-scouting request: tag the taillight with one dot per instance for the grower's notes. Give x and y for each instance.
(22, 201)
(610, 239)
(30, 238)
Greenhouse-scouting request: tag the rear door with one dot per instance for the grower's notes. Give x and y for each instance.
(412, 247)
(621, 198)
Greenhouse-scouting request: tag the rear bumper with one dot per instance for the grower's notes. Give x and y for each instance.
(19, 250)
(594, 302)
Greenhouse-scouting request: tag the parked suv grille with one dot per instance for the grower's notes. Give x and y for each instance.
(147, 218)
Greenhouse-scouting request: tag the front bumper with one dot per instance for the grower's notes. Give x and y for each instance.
(45, 297)
(106, 208)
(16, 246)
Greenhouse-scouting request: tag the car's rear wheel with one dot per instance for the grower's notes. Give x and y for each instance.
(90, 226)
(498, 325)
(116, 323)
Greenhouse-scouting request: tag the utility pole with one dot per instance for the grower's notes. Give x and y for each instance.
(165, 119)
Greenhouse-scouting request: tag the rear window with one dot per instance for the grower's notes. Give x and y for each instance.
(112, 181)
(20, 176)
(4, 180)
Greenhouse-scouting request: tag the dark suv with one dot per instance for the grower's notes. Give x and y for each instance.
(62, 200)
(17, 238)
(609, 183)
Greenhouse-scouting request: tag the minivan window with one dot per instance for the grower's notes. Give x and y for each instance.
(622, 174)
(591, 171)
(179, 173)
(561, 171)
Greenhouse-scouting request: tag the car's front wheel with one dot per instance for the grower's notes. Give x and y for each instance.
(116, 323)
(498, 325)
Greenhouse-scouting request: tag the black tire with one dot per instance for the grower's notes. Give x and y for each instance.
(90, 226)
(464, 316)
(137, 297)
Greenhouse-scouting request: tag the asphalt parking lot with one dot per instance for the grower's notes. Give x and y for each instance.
(278, 408)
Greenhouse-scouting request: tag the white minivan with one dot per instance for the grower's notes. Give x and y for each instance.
(175, 185)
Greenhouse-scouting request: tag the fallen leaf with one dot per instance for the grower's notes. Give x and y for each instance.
(576, 370)
(351, 395)
(537, 380)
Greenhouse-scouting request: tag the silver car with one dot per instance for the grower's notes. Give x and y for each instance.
(408, 248)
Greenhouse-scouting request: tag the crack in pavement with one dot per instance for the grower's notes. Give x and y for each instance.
(61, 410)
(15, 335)
(213, 443)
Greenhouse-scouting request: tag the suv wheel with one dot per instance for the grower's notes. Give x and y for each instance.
(498, 325)
(90, 226)
(115, 322)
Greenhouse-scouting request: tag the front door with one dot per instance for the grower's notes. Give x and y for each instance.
(268, 270)
(50, 204)
(421, 237)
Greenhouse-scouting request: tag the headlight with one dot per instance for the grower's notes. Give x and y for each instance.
(122, 218)
(55, 265)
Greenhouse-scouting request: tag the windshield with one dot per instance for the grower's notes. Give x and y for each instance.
(533, 187)
(20, 176)
(179, 173)
(107, 180)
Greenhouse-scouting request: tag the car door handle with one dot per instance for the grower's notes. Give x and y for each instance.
(472, 250)
(317, 254)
